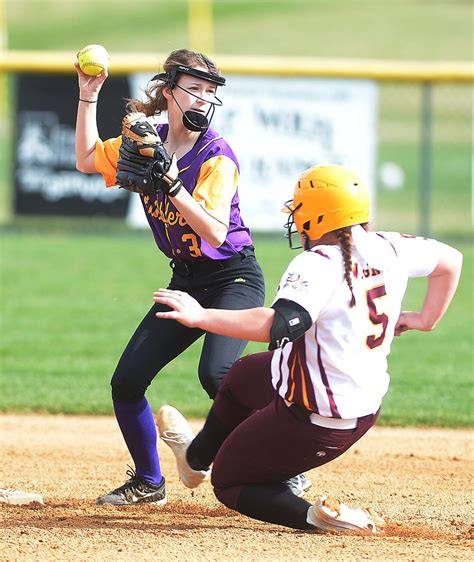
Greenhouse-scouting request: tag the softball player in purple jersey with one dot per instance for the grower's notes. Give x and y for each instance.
(200, 229)
(337, 309)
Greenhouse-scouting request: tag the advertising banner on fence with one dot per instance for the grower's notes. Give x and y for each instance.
(46, 179)
(278, 127)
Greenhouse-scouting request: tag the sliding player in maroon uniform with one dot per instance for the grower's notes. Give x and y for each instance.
(319, 391)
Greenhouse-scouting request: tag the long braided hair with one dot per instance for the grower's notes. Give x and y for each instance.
(344, 241)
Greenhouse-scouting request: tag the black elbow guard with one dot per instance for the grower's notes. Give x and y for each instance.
(291, 322)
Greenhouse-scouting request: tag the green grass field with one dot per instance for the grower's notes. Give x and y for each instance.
(73, 291)
(405, 29)
(71, 301)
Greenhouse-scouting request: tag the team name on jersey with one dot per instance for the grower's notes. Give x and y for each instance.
(362, 273)
(162, 212)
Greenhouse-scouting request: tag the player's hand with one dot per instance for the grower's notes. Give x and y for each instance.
(410, 321)
(186, 309)
(89, 86)
(173, 170)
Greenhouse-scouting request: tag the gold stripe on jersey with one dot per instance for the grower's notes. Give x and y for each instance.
(299, 384)
(304, 392)
(300, 381)
(106, 156)
(216, 186)
(199, 152)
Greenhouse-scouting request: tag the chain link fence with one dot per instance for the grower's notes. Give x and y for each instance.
(425, 157)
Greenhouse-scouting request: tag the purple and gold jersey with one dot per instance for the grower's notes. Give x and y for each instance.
(210, 173)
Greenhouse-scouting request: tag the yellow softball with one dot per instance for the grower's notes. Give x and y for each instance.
(93, 59)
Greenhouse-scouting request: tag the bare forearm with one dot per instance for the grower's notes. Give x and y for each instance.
(442, 284)
(86, 136)
(86, 122)
(251, 324)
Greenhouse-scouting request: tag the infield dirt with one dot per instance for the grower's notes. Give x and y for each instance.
(420, 479)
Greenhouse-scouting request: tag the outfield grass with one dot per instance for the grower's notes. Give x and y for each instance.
(71, 301)
(405, 29)
(450, 213)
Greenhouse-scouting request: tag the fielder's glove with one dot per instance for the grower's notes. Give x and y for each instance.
(143, 163)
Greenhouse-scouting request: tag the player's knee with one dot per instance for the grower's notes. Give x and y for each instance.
(236, 376)
(123, 392)
(210, 385)
(210, 382)
(228, 496)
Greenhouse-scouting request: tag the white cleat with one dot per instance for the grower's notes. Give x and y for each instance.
(175, 431)
(329, 514)
(17, 497)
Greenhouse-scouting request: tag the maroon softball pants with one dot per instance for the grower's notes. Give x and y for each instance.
(269, 443)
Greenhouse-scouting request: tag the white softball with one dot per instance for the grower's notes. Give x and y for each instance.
(93, 59)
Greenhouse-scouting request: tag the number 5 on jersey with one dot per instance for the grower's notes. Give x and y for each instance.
(375, 293)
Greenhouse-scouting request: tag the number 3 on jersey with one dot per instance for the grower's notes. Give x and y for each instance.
(375, 293)
(194, 250)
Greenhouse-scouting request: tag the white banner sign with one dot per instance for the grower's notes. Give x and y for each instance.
(278, 127)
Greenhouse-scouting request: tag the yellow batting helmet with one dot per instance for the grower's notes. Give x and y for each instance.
(327, 198)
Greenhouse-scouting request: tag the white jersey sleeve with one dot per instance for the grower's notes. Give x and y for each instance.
(418, 255)
(302, 285)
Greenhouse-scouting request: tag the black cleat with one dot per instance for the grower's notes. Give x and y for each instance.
(136, 490)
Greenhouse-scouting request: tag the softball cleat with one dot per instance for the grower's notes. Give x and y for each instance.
(329, 514)
(175, 431)
(18, 497)
(136, 490)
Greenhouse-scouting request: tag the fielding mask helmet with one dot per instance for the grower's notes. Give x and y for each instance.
(192, 120)
(326, 198)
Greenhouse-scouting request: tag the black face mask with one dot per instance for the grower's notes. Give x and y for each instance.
(290, 223)
(192, 120)
(195, 121)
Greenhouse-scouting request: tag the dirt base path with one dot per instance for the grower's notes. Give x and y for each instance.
(420, 480)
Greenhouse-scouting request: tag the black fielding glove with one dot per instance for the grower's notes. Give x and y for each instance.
(143, 160)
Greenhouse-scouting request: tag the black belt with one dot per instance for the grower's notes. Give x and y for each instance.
(186, 268)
